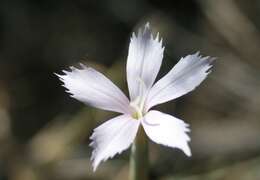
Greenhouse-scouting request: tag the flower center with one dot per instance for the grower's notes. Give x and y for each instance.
(138, 107)
(138, 103)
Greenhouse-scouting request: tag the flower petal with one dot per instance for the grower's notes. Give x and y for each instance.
(143, 61)
(112, 137)
(167, 130)
(185, 76)
(93, 88)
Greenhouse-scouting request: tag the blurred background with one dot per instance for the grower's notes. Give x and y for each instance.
(44, 134)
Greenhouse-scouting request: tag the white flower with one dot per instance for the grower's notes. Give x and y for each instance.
(143, 63)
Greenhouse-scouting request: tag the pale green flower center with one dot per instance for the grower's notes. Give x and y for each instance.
(139, 102)
(138, 107)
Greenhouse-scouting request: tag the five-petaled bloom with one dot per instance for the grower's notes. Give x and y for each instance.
(143, 63)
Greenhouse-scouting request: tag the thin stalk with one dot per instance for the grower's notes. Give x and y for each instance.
(139, 157)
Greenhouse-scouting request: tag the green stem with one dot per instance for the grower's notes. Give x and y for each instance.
(139, 157)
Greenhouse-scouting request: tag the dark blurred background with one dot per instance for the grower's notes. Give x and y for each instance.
(44, 133)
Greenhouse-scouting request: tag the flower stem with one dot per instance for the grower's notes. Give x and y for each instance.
(139, 157)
